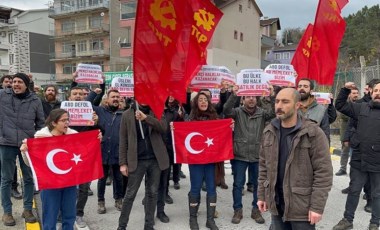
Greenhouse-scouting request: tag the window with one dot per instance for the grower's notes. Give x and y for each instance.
(67, 5)
(95, 2)
(81, 3)
(10, 38)
(126, 43)
(128, 10)
(68, 68)
(82, 46)
(235, 35)
(240, 8)
(249, 4)
(96, 44)
(95, 21)
(277, 56)
(11, 59)
(241, 37)
(68, 26)
(286, 55)
(67, 47)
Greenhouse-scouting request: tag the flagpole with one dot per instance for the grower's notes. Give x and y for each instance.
(140, 124)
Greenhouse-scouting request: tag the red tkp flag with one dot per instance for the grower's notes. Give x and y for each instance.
(329, 28)
(164, 37)
(301, 57)
(202, 142)
(67, 160)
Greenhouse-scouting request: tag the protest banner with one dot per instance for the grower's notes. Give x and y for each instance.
(124, 85)
(252, 82)
(211, 77)
(80, 112)
(215, 95)
(322, 98)
(91, 74)
(281, 75)
(111, 75)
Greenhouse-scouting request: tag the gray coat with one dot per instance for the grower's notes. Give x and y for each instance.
(19, 118)
(247, 129)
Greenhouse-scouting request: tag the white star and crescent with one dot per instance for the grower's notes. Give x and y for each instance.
(188, 146)
(51, 165)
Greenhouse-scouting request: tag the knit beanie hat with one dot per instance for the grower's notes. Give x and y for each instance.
(23, 77)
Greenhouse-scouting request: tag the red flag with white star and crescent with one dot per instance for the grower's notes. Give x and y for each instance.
(64, 161)
(202, 142)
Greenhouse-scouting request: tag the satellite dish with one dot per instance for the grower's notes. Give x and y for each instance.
(102, 14)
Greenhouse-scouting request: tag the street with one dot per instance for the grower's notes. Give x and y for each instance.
(179, 214)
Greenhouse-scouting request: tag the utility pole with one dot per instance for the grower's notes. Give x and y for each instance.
(363, 77)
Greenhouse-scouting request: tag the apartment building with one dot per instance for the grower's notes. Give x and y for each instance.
(93, 32)
(25, 43)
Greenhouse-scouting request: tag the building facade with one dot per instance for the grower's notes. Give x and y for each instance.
(25, 43)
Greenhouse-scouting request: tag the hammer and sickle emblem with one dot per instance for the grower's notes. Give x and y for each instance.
(163, 11)
(204, 19)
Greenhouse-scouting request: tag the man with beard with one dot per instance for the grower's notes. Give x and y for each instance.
(364, 162)
(295, 174)
(21, 115)
(109, 123)
(309, 107)
(248, 128)
(368, 139)
(49, 101)
(6, 81)
(354, 96)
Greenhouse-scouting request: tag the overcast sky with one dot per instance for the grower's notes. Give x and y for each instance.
(292, 13)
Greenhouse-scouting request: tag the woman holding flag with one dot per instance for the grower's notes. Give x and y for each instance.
(202, 110)
(61, 199)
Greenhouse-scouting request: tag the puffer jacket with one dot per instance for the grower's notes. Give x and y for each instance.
(308, 174)
(247, 129)
(19, 118)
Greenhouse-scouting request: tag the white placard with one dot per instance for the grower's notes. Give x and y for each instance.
(91, 74)
(80, 112)
(215, 95)
(211, 77)
(322, 98)
(252, 82)
(281, 75)
(124, 85)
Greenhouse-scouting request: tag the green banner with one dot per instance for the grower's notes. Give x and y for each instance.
(111, 75)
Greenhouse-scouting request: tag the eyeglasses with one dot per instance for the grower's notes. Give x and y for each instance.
(67, 120)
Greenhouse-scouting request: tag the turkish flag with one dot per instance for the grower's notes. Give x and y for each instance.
(67, 160)
(202, 142)
(169, 47)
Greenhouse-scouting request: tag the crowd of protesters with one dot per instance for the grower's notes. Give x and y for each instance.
(280, 141)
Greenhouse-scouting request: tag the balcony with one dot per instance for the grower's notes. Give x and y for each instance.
(58, 56)
(61, 77)
(63, 10)
(84, 30)
(4, 46)
(4, 67)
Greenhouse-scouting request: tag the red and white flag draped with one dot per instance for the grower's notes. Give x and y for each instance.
(170, 45)
(67, 160)
(202, 142)
(317, 53)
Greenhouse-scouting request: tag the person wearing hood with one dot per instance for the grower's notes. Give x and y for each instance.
(21, 115)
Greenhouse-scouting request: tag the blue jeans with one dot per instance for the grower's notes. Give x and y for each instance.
(55, 200)
(198, 173)
(8, 156)
(239, 169)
